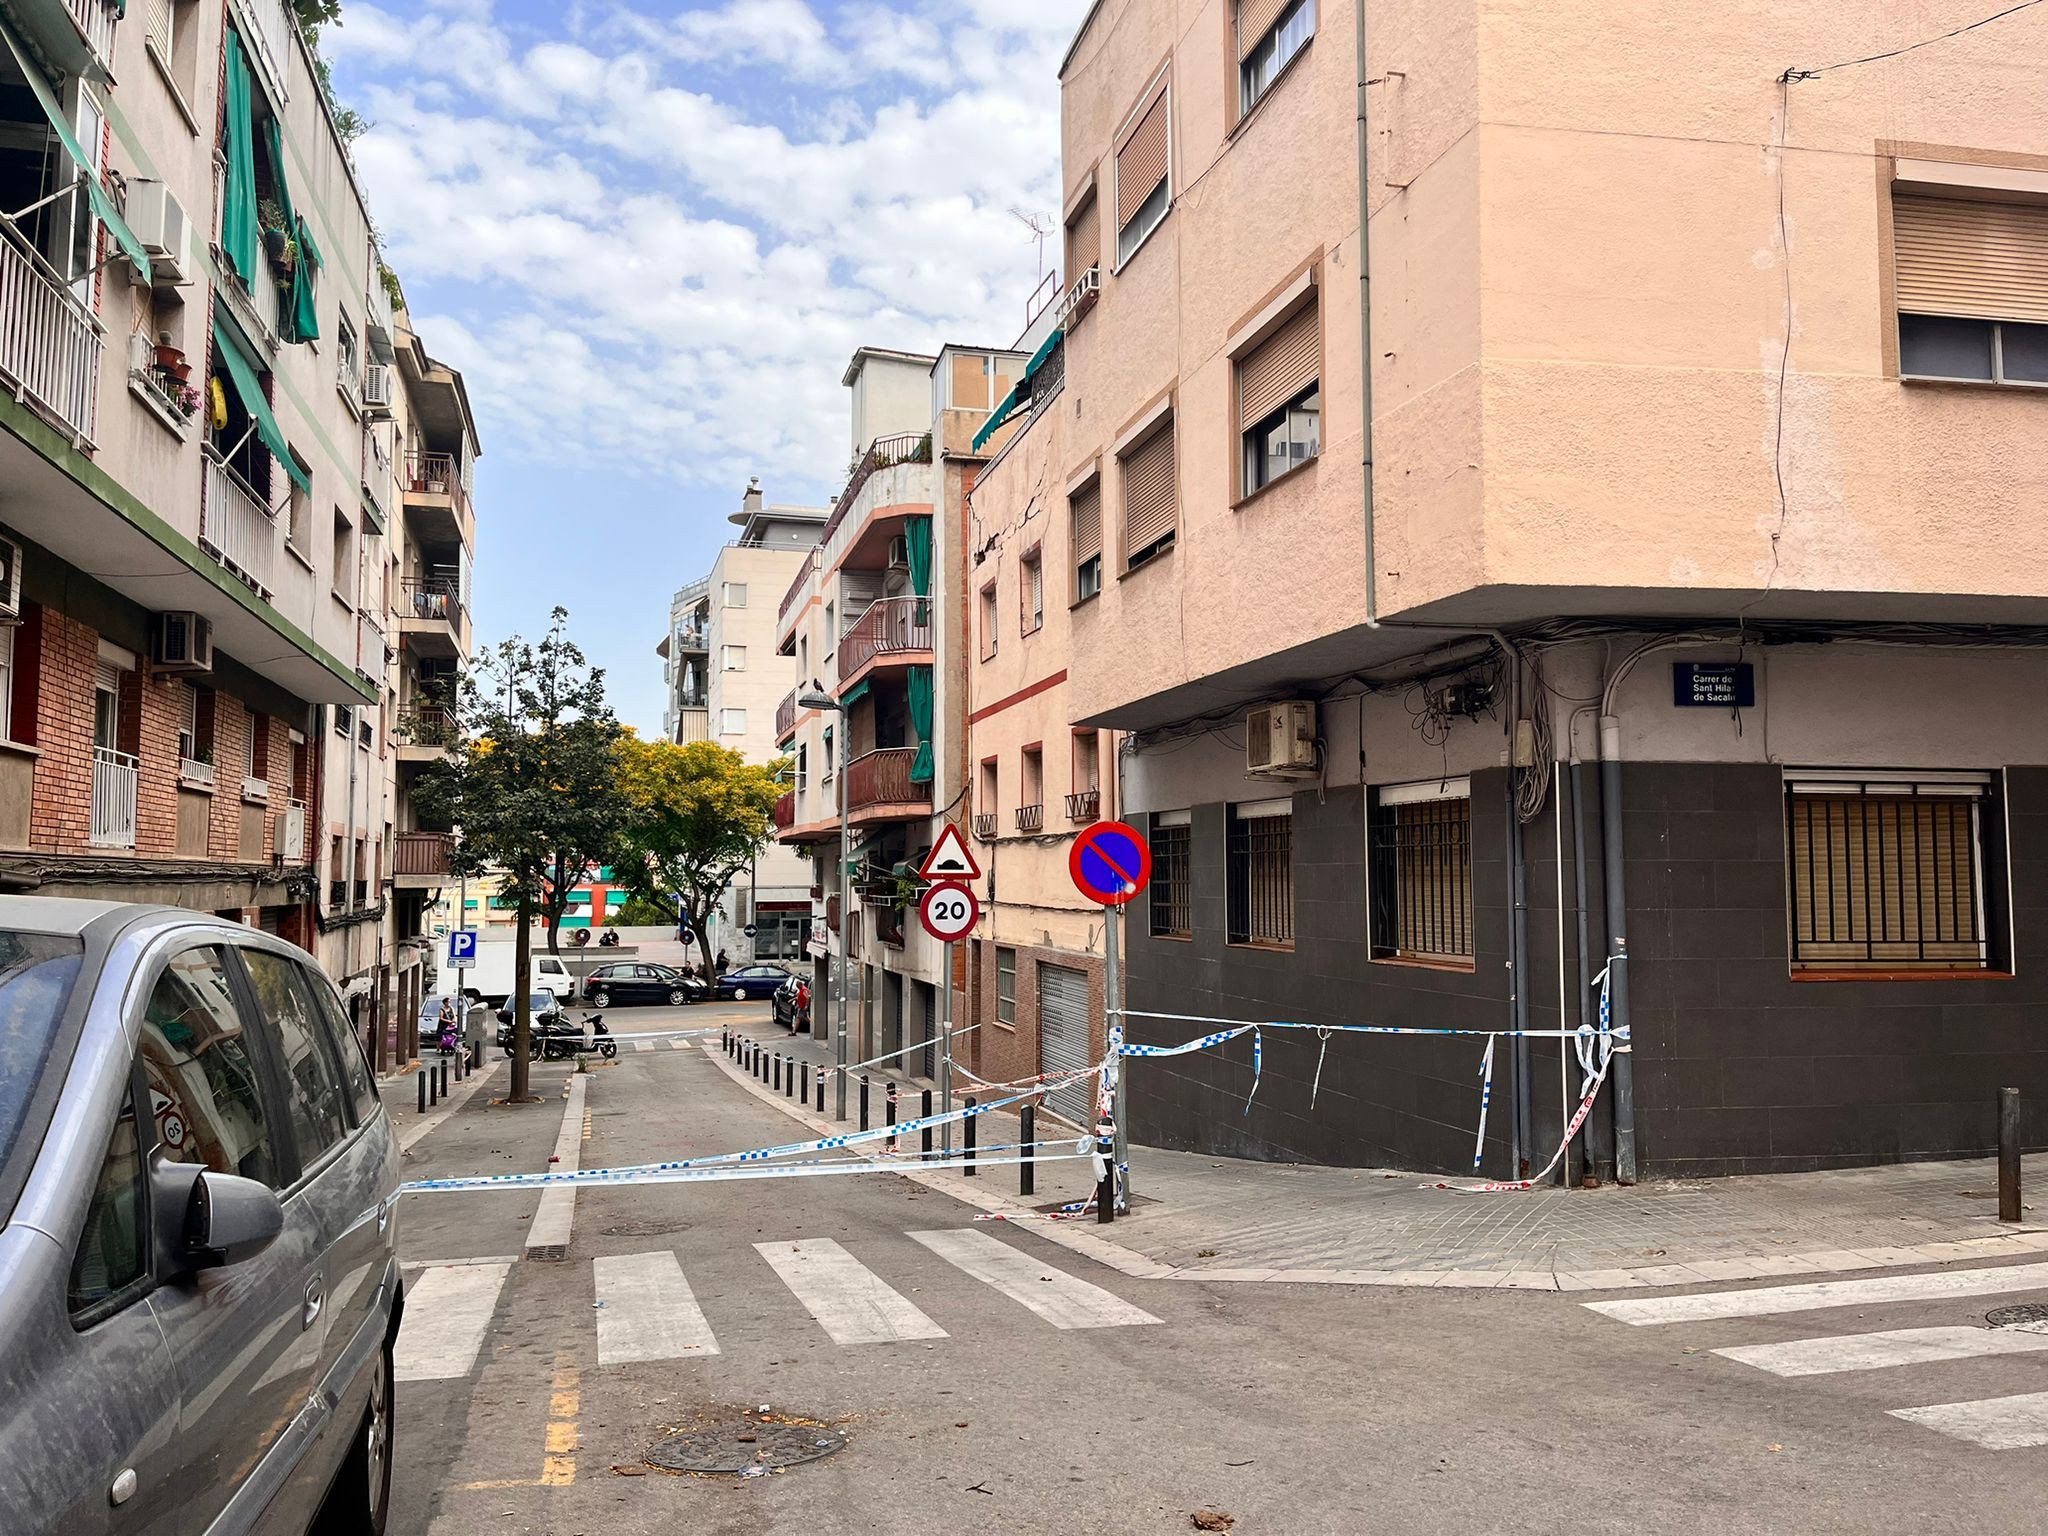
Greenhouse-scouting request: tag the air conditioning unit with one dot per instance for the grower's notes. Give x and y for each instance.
(10, 582)
(377, 387)
(899, 553)
(184, 642)
(1280, 739)
(159, 223)
(1082, 296)
(290, 840)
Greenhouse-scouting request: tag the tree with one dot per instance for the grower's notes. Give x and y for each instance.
(697, 814)
(534, 791)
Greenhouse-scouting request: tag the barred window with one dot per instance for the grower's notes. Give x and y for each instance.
(1260, 873)
(1170, 903)
(1892, 871)
(1421, 857)
(1006, 985)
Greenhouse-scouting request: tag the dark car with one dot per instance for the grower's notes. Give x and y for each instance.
(547, 1015)
(751, 981)
(194, 1168)
(792, 1004)
(636, 981)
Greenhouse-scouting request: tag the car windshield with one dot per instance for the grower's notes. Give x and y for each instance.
(37, 972)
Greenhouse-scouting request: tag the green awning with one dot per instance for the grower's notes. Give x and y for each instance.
(1020, 394)
(241, 229)
(102, 200)
(855, 694)
(242, 373)
(298, 320)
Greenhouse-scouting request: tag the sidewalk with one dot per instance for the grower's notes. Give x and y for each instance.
(1206, 1218)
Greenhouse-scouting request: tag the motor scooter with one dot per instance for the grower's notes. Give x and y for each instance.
(564, 1041)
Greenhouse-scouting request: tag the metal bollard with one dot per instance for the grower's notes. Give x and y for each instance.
(2009, 1154)
(863, 1101)
(443, 1066)
(775, 1072)
(789, 1077)
(423, 1092)
(433, 1098)
(925, 1113)
(1027, 1171)
(725, 1041)
(821, 1090)
(889, 1110)
(1105, 1192)
(967, 1137)
(804, 1096)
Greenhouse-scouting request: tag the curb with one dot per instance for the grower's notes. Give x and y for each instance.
(1127, 1261)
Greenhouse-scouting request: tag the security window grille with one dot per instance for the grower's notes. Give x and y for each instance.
(1421, 851)
(1171, 892)
(1006, 985)
(1260, 874)
(1891, 873)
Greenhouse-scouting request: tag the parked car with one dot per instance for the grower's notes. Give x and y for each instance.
(751, 981)
(792, 1004)
(547, 1015)
(636, 981)
(194, 1168)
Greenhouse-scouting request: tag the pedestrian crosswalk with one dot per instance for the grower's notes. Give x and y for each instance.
(646, 1309)
(1995, 1423)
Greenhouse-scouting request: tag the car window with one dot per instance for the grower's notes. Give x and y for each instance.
(348, 1048)
(647, 972)
(203, 1089)
(312, 1091)
(111, 1253)
(36, 975)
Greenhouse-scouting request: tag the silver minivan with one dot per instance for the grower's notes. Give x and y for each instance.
(199, 1283)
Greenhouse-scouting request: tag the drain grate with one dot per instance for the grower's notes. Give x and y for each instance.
(2016, 1316)
(644, 1228)
(747, 1448)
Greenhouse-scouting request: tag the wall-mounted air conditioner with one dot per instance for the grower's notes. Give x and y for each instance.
(377, 387)
(161, 227)
(1280, 739)
(184, 642)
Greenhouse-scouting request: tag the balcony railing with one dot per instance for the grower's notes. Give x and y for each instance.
(985, 825)
(238, 528)
(890, 626)
(431, 597)
(785, 812)
(423, 853)
(428, 725)
(785, 717)
(49, 344)
(254, 788)
(804, 572)
(1030, 818)
(272, 42)
(883, 778)
(883, 453)
(433, 474)
(370, 644)
(1084, 805)
(113, 798)
(96, 19)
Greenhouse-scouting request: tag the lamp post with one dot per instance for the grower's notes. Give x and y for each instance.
(817, 698)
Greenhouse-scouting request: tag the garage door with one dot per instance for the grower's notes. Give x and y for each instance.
(1063, 1040)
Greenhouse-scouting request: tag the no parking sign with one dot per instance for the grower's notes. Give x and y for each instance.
(1111, 863)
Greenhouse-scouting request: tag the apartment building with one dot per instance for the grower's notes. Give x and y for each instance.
(875, 621)
(1631, 568)
(686, 695)
(194, 340)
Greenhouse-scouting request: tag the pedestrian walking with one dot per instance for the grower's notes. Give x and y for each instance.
(723, 963)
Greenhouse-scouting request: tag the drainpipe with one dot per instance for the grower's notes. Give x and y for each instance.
(1617, 931)
(1372, 601)
(1518, 933)
(1592, 1152)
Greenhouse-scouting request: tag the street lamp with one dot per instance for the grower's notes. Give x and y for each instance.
(817, 698)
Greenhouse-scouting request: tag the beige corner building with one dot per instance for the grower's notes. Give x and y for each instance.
(1671, 471)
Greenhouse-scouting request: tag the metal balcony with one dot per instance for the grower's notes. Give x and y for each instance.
(49, 344)
(894, 629)
(114, 776)
(1030, 818)
(878, 788)
(785, 717)
(1084, 805)
(237, 528)
(422, 860)
(785, 811)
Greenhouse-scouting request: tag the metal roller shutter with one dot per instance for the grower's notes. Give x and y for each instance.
(1149, 503)
(1141, 163)
(1952, 256)
(1255, 19)
(1086, 511)
(1063, 1040)
(1084, 239)
(1280, 367)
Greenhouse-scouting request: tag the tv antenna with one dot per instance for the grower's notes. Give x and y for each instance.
(1040, 227)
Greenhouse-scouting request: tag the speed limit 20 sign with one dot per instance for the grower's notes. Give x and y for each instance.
(948, 911)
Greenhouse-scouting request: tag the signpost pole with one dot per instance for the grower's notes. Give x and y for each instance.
(1113, 1002)
(946, 1048)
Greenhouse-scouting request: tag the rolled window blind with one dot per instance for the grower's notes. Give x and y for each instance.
(1084, 239)
(1141, 163)
(1279, 368)
(1149, 503)
(1086, 512)
(1255, 19)
(1953, 256)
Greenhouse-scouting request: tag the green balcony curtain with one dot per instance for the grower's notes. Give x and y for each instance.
(299, 320)
(921, 722)
(241, 231)
(102, 200)
(242, 371)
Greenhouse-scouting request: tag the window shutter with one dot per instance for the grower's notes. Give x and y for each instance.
(1141, 163)
(1952, 256)
(1149, 506)
(1084, 239)
(1255, 19)
(1086, 511)
(1279, 368)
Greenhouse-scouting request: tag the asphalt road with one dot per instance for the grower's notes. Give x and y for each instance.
(1027, 1389)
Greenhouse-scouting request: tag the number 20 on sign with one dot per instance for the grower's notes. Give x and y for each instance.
(948, 911)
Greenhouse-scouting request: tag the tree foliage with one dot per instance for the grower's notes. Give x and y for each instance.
(697, 814)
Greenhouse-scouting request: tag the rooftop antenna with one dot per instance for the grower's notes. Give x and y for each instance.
(1040, 227)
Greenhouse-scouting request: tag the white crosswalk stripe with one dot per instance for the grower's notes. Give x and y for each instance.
(850, 1301)
(1054, 1295)
(448, 1310)
(646, 1310)
(1996, 1423)
(1769, 1300)
(1876, 1351)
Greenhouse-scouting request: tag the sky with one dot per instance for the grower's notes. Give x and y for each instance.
(651, 235)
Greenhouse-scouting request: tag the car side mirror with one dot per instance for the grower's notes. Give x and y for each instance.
(212, 1219)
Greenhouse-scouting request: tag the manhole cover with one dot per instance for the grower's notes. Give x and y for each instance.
(644, 1228)
(2014, 1316)
(747, 1448)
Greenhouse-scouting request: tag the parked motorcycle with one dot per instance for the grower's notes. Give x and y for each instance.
(564, 1040)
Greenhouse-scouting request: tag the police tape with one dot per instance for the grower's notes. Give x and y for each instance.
(1240, 1026)
(607, 1178)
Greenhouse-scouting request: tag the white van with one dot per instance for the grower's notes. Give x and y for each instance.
(493, 972)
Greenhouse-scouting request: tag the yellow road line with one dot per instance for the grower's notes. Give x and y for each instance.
(558, 1467)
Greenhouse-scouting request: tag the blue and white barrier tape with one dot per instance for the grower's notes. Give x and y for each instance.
(619, 1176)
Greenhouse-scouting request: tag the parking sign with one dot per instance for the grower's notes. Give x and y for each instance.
(462, 949)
